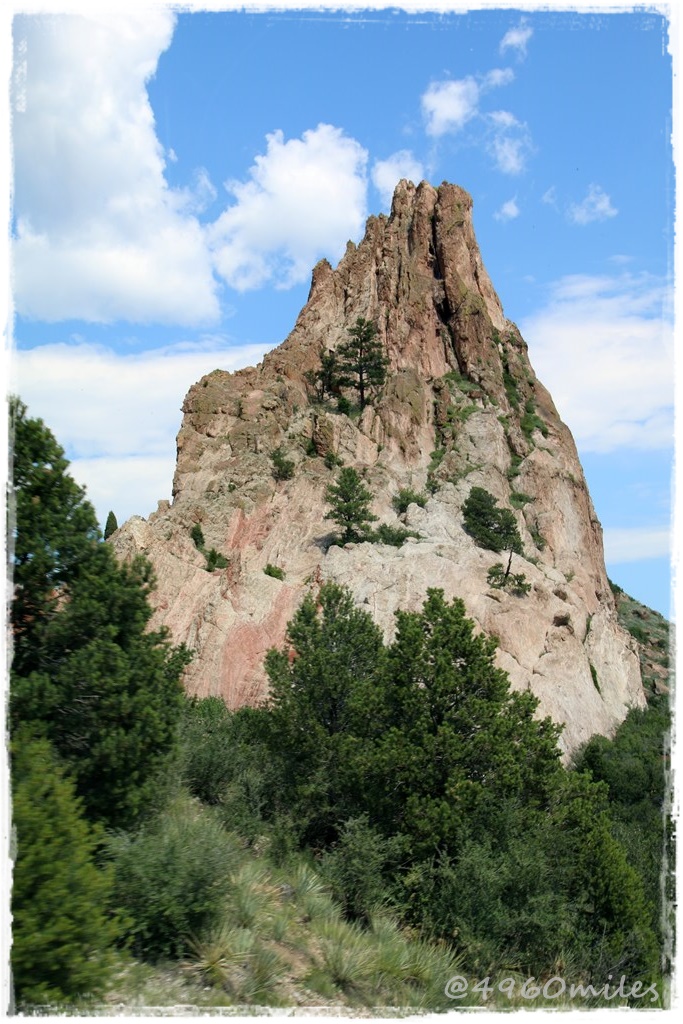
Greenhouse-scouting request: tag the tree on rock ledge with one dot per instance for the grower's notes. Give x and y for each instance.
(361, 361)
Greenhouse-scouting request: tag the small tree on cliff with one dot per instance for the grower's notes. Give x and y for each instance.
(493, 528)
(350, 500)
(361, 361)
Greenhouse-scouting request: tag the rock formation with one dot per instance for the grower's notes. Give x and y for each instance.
(461, 407)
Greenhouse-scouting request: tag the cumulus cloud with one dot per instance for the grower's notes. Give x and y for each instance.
(448, 106)
(604, 348)
(106, 408)
(517, 39)
(99, 235)
(596, 206)
(508, 211)
(305, 198)
(636, 543)
(387, 173)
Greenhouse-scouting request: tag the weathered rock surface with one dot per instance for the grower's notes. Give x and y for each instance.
(460, 386)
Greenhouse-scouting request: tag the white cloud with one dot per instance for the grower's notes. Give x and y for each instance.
(99, 234)
(604, 348)
(448, 106)
(498, 76)
(509, 143)
(387, 173)
(636, 543)
(549, 197)
(517, 39)
(305, 198)
(596, 205)
(508, 211)
(105, 409)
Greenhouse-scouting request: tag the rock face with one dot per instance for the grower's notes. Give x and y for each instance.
(461, 407)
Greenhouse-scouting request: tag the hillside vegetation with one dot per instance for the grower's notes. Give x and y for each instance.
(393, 816)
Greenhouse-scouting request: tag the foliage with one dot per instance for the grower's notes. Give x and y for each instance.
(531, 421)
(355, 868)
(197, 535)
(491, 527)
(407, 496)
(324, 381)
(633, 765)
(350, 500)
(62, 932)
(392, 535)
(171, 879)
(332, 460)
(111, 526)
(343, 405)
(361, 361)
(518, 499)
(275, 571)
(514, 581)
(214, 560)
(87, 673)
(283, 469)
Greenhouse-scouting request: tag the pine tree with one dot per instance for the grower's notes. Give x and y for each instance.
(361, 360)
(86, 671)
(350, 500)
(62, 933)
(111, 526)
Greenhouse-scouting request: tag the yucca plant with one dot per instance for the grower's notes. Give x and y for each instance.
(214, 956)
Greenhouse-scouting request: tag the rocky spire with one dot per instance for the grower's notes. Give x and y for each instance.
(461, 407)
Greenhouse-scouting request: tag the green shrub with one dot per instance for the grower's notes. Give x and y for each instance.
(407, 496)
(214, 560)
(171, 880)
(516, 582)
(343, 405)
(518, 499)
(275, 571)
(530, 421)
(354, 867)
(283, 469)
(393, 535)
(332, 461)
(197, 535)
(207, 744)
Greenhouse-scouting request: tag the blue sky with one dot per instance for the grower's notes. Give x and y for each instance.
(177, 175)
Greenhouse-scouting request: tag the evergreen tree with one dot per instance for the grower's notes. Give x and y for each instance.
(111, 526)
(324, 381)
(62, 934)
(361, 360)
(86, 672)
(493, 528)
(350, 500)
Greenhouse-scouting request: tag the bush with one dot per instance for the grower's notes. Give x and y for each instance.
(214, 560)
(275, 571)
(353, 868)
(394, 535)
(197, 535)
(343, 405)
(283, 469)
(171, 880)
(405, 497)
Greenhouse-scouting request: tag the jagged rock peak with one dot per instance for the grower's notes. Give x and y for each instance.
(461, 407)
